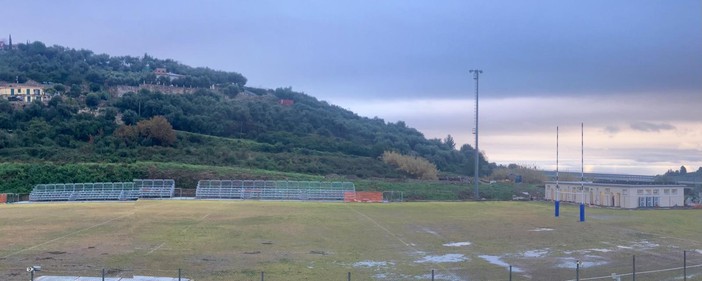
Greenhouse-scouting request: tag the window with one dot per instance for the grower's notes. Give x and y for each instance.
(625, 192)
(655, 191)
(674, 191)
(639, 192)
(666, 191)
(648, 201)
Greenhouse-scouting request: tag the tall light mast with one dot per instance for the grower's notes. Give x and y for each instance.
(476, 76)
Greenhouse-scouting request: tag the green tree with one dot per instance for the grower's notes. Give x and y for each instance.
(157, 130)
(92, 100)
(450, 142)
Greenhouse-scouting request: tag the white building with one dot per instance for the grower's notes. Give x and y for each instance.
(627, 196)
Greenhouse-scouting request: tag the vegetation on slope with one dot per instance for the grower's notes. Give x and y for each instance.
(228, 125)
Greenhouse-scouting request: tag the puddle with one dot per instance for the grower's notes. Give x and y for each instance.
(535, 253)
(699, 251)
(496, 260)
(443, 258)
(645, 244)
(457, 244)
(539, 229)
(372, 264)
(589, 261)
(600, 250)
(438, 277)
(427, 230)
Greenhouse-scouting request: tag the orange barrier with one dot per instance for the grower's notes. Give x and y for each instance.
(3, 198)
(363, 196)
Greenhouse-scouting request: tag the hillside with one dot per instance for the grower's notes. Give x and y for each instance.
(218, 120)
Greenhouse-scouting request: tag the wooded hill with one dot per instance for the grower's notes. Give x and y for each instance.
(222, 122)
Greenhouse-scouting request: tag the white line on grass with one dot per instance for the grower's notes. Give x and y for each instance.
(409, 245)
(639, 272)
(69, 234)
(155, 248)
(185, 229)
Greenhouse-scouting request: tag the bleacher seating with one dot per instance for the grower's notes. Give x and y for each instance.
(84, 191)
(272, 190)
(155, 188)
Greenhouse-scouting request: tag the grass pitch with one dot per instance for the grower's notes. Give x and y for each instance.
(237, 240)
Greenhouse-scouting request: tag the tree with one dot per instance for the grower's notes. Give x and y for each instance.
(157, 130)
(92, 100)
(683, 170)
(449, 142)
(130, 117)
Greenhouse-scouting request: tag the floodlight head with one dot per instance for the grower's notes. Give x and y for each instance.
(34, 268)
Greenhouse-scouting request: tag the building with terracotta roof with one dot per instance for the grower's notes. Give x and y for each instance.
(26, 92)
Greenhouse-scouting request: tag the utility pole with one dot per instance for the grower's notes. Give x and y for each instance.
(476, 76)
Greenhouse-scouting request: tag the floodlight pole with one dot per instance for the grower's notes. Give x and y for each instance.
(476, 76)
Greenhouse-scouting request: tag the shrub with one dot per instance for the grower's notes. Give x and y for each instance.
(413, 165)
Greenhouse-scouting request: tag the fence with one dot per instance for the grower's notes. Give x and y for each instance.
(273, 190)
(640, 267)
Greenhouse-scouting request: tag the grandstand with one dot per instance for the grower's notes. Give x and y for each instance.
(139, 188)
(155, 188)
(84, 191)
(273, 190)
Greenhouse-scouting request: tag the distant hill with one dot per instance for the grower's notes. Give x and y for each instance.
(218, 119)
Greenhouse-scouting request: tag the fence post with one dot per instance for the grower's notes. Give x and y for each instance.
(432, 275)
(633, 266)
(103, 274)
(349, 277)
(577, 270)
(261, 275)
(510, 273)
(178, 274)
(685, 265)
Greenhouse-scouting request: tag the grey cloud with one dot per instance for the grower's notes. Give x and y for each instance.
(661, 155)
(611, 130)
(651, 127)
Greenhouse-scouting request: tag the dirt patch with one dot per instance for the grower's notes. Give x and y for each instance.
(56, 252)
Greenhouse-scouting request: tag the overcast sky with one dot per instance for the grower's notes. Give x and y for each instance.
(630, 70)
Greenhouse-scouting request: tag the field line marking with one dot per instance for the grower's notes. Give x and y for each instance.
(641, 272)
(409, 245)
(185, 229)
(64, 236)
(155, 248)
(383, 228)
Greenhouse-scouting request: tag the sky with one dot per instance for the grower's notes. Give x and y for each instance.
(629, 71)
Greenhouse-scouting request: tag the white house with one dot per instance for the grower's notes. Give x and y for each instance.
(626, 196)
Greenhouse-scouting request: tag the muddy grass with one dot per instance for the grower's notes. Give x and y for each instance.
(237, 240)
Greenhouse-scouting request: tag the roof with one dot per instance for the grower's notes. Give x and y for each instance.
(616, 184)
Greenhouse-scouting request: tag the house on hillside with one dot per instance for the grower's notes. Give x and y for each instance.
(626, 196)
(162, 72)
(286, 102)
(25, 92)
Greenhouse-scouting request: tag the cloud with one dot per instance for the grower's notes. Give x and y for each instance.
(612, 130)
(651, 127)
